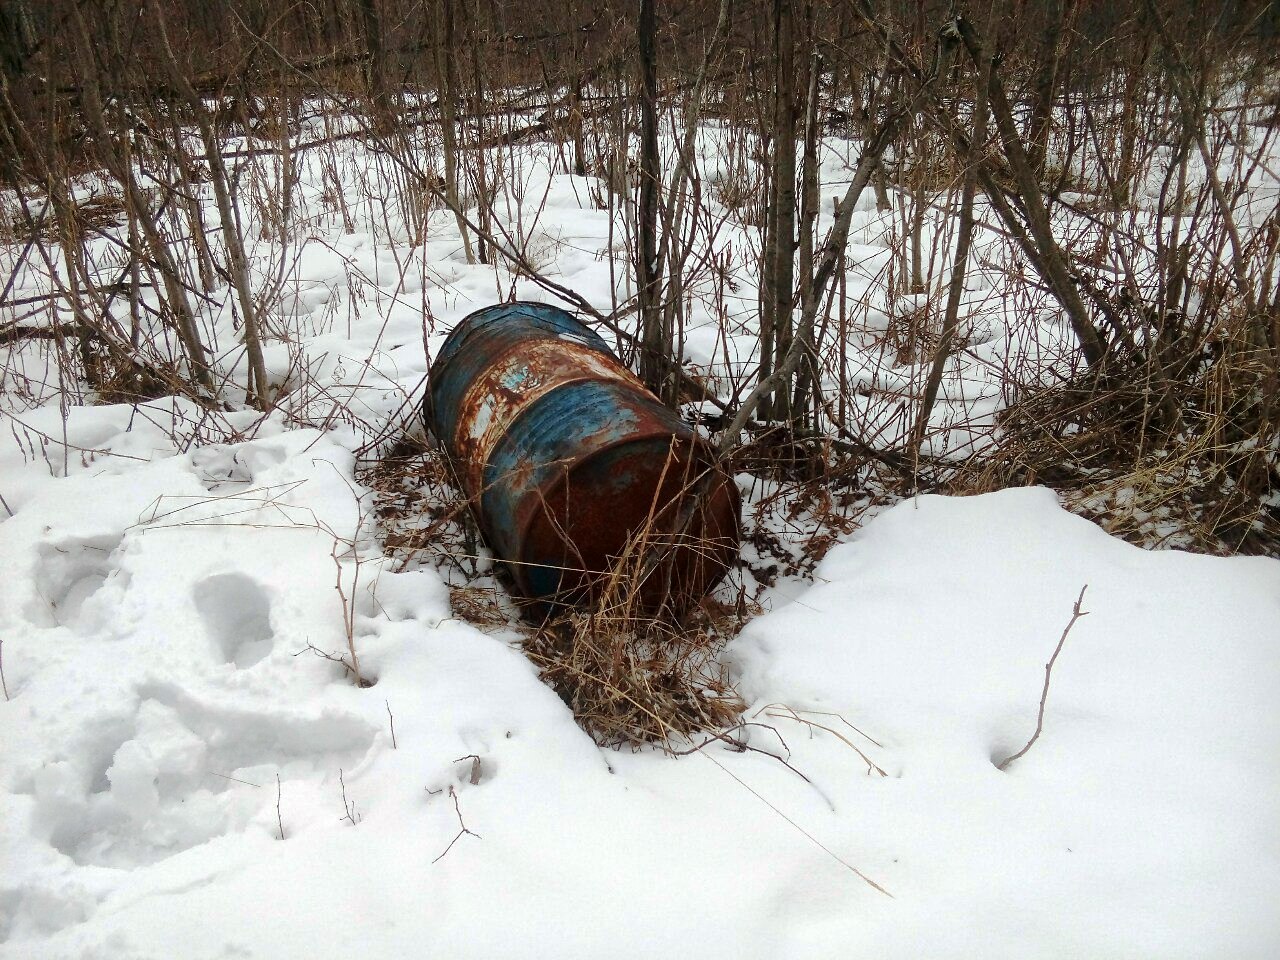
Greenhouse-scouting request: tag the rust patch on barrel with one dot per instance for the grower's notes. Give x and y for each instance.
(512, 383)
(584, 522)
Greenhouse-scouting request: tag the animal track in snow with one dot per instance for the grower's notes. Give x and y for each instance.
(237, 615)
(67, 574)
(233, 469)
(181, 771)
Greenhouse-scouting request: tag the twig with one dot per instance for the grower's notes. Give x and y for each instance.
(741, 746)
(349, 613)
(803, 832)
(463, 831)
(347, 805)
(332, 657)
(792, 714)
(393, 725)
(279, 821)
(1076, 614)
(3, 684)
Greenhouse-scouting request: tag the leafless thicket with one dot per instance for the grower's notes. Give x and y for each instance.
(1105, 172)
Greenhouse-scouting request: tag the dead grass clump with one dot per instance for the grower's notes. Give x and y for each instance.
(122, 379)
(91, 215)
(632, 680)
(914, 331)
(421, 514)
(484, 606)
(1187, 463)
(742, 195)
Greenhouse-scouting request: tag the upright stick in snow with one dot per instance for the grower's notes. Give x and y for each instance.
(1076, 614)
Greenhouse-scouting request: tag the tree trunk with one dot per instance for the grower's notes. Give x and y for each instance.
(648, 265)
(447, 86)
(808, 224)
(257, 386)
(1044, 85)
(783, 242)
(376, 71)
(1046, 253)
(958, 267)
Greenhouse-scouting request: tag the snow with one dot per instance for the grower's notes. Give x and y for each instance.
(177, 582)
(151, 715)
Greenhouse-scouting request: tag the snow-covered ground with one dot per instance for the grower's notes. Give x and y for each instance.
(152, 643)
(182, 776)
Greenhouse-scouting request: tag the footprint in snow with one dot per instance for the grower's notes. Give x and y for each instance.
(236, 612)
(179, 771)
(68, 574)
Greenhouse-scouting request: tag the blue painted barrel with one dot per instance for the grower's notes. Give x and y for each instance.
(564, 455)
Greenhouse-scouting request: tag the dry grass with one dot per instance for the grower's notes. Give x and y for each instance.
(1200, 481)
(636, 680)
(487, 607)
(422, 515)
(639, 666)
(92, 215)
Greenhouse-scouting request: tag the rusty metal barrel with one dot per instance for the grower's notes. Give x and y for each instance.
(566, 457)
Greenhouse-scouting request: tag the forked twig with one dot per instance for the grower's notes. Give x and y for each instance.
(792, 714)
(740, 745)
(462, 831)
(348, 806)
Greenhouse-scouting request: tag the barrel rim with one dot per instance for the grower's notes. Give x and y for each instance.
(439, 365)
